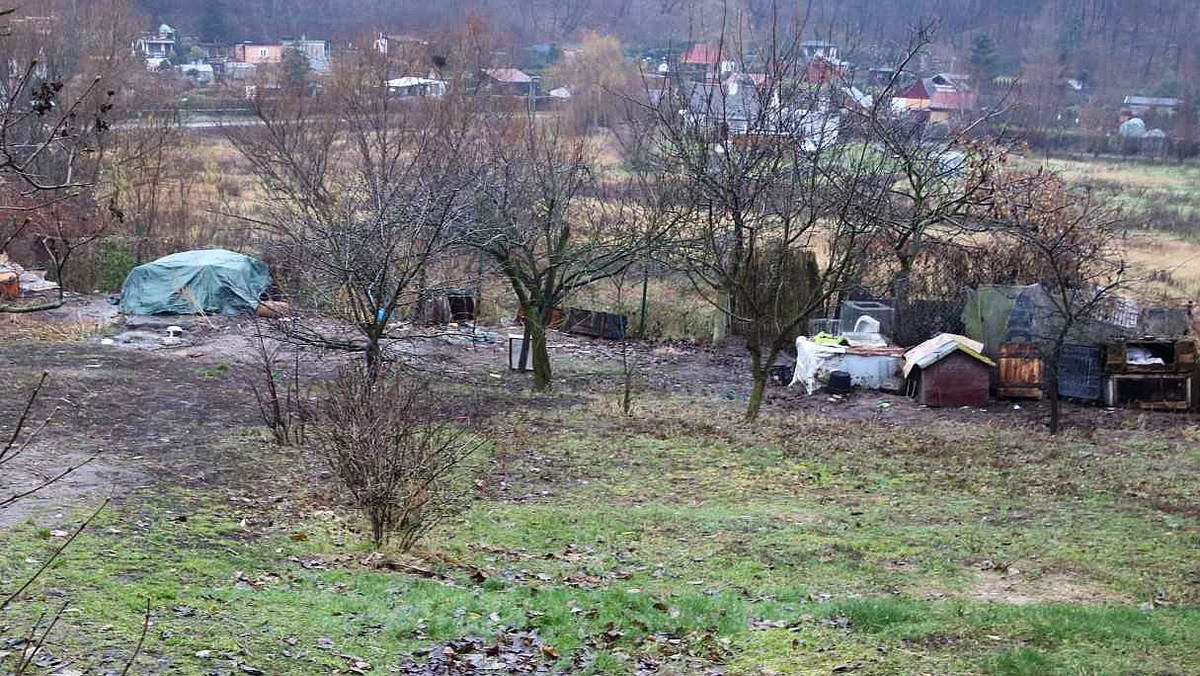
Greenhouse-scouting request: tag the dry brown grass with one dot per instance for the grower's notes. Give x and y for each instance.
(35, 328)
(1170, 265)
(1125, 174)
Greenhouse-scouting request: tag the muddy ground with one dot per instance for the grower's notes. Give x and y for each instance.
(146, 408)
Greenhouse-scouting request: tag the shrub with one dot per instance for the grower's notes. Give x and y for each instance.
(382, 440)
(115, 263)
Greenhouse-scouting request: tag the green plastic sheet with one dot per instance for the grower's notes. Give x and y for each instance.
(206, 281)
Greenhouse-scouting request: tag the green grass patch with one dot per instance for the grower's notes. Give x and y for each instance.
(807, 546)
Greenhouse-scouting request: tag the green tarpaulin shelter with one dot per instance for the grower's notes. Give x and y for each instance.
(207, 281)
(997, 314)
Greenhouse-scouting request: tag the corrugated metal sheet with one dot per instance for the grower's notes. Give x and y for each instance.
(939, 347)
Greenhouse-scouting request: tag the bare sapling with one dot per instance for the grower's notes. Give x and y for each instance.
(275, 383)
(385, 443)
(25, 430)
(629, 372)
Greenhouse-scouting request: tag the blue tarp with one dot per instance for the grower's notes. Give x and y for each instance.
(207, 281)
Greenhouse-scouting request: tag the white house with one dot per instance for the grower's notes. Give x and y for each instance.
(742, 106)
(317, 52)
(158, 45)
(417, 86)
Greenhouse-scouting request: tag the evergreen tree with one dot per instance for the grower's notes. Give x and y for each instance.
(983, 57)
(295, 70)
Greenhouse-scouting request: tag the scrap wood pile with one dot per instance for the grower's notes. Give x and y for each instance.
(17, 282)
(1126, 355)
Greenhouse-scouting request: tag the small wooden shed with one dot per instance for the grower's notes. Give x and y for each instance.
(949, 370)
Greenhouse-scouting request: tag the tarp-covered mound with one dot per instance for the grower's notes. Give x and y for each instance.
(208, 281)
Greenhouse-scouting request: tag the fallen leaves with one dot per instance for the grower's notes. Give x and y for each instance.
(515, 651)
(243, 580)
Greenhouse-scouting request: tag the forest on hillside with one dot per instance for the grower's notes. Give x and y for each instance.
(1142, 45)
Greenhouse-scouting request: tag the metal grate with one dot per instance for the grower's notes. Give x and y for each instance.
(1081, 372)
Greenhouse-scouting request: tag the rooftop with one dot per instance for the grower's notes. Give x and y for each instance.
(509, 75)
(1158, 101)
(701, 55)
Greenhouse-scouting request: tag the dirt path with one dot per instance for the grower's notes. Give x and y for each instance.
(148, 417)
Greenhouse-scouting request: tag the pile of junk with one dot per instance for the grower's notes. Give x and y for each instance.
(1128, 354)
(16, 282)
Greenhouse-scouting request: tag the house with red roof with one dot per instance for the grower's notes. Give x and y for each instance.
(941, 97)
(701, 55)
(704, 61)
(825, 69)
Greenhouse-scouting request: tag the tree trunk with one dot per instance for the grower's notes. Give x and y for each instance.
(537, 349)
(1052, 393)
(900, 290)
(758, 392)
(645, 301)
(721, 320)
(373, 354)
(760, 368)
(523, 358)
(1051, 363)
(418, 315)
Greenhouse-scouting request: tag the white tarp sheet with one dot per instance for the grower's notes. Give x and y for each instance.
(813, 359)
(814, 363)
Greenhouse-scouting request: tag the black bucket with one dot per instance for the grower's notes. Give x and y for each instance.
(781, 374)
(840, 383)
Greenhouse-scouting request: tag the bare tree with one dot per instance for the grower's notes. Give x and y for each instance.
(362, 191)
(931, 178)
(26, 429)
(56, 100)
(1075, 242)
(46, 134)
(382, 439)
(148, 168)
(544, 219)
(769, 201)
(18, 442)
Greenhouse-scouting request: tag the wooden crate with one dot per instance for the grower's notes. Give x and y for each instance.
(1179, 355)
(1174, 392)
(1020, 372)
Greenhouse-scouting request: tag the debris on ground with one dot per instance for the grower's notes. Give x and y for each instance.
(515, 651)
(17, 281)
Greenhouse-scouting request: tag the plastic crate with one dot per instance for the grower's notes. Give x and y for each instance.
(830, 325)
(853, 309)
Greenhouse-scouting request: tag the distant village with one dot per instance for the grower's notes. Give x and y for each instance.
(921, 90)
